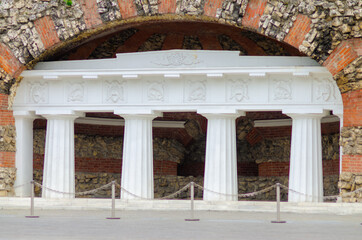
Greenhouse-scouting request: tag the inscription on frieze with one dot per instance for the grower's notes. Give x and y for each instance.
(177, 59)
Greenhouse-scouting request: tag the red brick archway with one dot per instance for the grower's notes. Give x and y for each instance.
(339, 59)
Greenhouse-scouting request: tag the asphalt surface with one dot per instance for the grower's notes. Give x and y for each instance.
(67, 224)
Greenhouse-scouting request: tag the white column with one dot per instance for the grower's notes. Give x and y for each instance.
(59, 156)
(137, 163)
(24, 152)
(220, 161)
(306, 171)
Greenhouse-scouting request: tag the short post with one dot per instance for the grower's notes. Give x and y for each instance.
(113, 211)
(192, 193)
(278, 205)
(32, 202)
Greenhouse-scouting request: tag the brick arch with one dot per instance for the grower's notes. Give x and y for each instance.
(341, 57)
(338, 60)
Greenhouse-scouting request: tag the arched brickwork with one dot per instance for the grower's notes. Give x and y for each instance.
(326, 32)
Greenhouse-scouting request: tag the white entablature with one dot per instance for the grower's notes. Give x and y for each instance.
(220, 85)
(179, 80)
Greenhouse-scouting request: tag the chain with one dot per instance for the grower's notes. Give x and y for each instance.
(132, 194)
(187, 186)
(242, 195)
(22, 185)
(178, 192)
(75, 194)
(334, 197)
(52, 190)
(253, 194)
(94, 190)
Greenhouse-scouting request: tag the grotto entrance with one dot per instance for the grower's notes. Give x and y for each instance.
(139, 87)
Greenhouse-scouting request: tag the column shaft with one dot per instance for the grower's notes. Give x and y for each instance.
(59, 157)
(220, 161)
(306, 172)
(137, 166)
(24, 154)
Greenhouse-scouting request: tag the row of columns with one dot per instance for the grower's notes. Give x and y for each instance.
(220, 180)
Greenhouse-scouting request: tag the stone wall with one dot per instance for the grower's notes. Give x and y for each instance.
(7, 138)
(7, 180)
(350, 182)
(165, 185)
(105, 147)
(351, 140)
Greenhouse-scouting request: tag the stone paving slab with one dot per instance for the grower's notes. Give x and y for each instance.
(182, 205)
(68, 224)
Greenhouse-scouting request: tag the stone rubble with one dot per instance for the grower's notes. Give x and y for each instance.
(7, 180)
(7, 138)
(350, 182)
(350, 78)
(190, 7)
(232, 11)
(146, 7)
(332, 22)
(109, 10)
(351, 140)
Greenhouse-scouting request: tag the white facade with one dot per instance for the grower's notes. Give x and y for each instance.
(220, 85)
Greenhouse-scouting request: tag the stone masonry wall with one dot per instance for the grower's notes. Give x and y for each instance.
(7, 180)
(350, 182)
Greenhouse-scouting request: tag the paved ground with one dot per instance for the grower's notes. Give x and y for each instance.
(68, 224)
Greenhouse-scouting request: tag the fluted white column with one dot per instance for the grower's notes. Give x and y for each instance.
(220, 161)
(24, 152)
(306, 172)
(58, 172)
(137, 163)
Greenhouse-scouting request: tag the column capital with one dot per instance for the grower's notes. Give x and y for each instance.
(221, 113)
(295, 114)
(51, 114)
(146, 114)
(25, 114)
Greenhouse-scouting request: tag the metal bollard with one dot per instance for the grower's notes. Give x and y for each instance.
(278, 205)
(32, 202)
(192, 193)
(113, 211)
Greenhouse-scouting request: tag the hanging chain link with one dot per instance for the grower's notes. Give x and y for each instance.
(242, 195)
(334, 197)
(22, 185)
(186, 187)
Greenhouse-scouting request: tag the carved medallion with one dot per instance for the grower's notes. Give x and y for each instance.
(196, 91)
(324, 90)
(38, 92)
(177, 59)
(282, 90)
(155, 91)
(76, 92)
(238, 90)
(114, 91)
